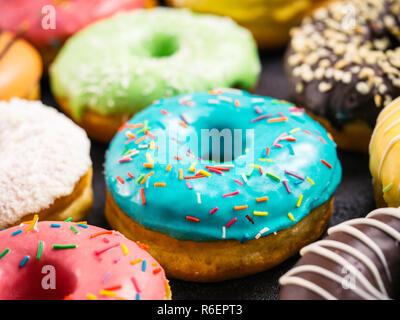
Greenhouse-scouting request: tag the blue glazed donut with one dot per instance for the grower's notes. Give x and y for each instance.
(162, 177)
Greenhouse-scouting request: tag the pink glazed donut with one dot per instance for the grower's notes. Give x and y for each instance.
(35, 19)
(75, 261)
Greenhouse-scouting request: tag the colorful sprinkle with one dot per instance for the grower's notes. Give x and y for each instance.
(149, 158)
(285, 183)
(326, 163)
(123, 160)
(32, 225)
(7, 250)
(24, 261)
(120, 180)
(250, 219)
(135, 285)
(388, 187)
(198, 198)
(140, 178)
(243, 207)
(106, 277)
(192, 167)
(281, 119)
(265, 160)
(310, 180)
(68, 220)
(100, 233)
(156, 271)
(140, 139)
(144, 265)
(16, 232)
(195, 177)
(215, 170)
(113, 288)
(261, 118)
(74, 229)
(64, 246)
(203, 172)
(160, 184)
(231, 194)
(91, 296)
(308, 132)
(294, 175)
(99, 252)
(290, 215)
(133, 262)
(260, 213)
(291, 150)
(231, 222)
(212, 211)
(322, 139)
(261, 232)
(146, 177)
(299, 201)
(125, 249)
(192, 219)
(143, 196)
(273, 176)
(107, 293)
(257, 109)
(262, 199)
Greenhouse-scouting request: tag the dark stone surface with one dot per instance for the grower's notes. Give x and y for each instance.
(354, 198)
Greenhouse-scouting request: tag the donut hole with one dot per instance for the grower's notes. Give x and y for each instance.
(162, 45)
(43, 280)
(222, 144)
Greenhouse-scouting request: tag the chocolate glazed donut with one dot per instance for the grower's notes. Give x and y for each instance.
(343, 65)
(359, 259)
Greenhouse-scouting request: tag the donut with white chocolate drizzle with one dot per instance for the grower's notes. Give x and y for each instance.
(358, 260)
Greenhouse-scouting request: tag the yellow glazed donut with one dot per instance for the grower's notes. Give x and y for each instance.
(384, 151)
(268, 20)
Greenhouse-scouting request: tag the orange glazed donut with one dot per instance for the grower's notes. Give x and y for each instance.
(20, 68)
(66, 260)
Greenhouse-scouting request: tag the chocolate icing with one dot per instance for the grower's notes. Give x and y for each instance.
(354, 87)
(388, 245)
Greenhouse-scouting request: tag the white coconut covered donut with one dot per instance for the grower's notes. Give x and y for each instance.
(45, 166)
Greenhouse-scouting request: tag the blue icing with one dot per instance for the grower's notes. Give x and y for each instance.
(167, 208)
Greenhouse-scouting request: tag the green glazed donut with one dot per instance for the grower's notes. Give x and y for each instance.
(122, 64)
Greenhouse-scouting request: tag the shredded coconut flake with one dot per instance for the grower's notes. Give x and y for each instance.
(43, 154)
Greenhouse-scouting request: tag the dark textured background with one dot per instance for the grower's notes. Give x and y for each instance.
(353, 199)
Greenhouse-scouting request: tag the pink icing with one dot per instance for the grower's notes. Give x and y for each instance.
(71, 16)
(96, 264)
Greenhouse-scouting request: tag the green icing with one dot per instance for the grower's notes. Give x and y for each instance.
(122, 64)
